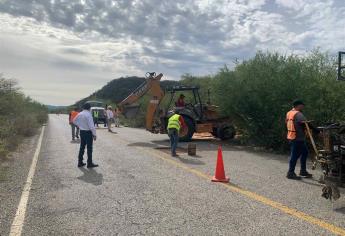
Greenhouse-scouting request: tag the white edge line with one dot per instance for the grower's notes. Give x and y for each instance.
(18, 222)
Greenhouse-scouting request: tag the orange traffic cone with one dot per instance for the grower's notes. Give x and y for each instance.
(220, 173)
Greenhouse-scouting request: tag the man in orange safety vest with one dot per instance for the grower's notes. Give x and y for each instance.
(295, 123)
(75, 129)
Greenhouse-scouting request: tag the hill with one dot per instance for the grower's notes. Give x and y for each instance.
(53, 108)
(118, 89)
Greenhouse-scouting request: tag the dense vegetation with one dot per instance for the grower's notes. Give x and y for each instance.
(19, 116)
(258, 92)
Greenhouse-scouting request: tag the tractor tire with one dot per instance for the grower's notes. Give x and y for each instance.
(187, 135)
(215, 132)
(226, 132)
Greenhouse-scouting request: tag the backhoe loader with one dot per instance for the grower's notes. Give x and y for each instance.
(199, 117)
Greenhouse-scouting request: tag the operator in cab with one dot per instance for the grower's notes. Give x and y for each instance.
(295, 123)
(180, 101)
(175, 125)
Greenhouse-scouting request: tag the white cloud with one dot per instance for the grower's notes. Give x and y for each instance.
(79, 45)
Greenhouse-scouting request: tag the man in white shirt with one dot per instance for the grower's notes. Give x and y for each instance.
(110, 117)
(85, 123)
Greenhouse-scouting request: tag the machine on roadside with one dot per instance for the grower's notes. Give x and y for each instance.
(330, 153)
(199, 116)
(330, 156)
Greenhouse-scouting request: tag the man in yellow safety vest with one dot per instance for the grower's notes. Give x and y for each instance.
(95, 115)
(175, 124)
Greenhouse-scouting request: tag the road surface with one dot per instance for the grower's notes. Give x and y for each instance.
(138, 189)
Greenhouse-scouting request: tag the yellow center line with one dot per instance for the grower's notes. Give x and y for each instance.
(251, 195)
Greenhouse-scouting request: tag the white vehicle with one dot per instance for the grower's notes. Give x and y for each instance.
(97, 107)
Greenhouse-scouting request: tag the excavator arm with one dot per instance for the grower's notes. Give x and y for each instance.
(152, 87)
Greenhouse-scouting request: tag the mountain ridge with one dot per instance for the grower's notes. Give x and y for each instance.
(118, 89)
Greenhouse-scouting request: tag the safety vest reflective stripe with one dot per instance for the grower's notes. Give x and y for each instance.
(174, 122)
(290, 125)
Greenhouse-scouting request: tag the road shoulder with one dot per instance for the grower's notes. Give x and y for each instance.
(13, 174)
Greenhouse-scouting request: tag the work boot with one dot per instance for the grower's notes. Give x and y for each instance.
(305, 174)
(81, 164)
(292, 175)
(92, 165)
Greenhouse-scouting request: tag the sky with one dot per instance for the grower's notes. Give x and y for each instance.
(60, 51)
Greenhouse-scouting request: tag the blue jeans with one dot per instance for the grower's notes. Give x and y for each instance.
(173, 135)
(298, 149)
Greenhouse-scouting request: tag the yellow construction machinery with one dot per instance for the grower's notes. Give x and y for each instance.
(199, 117)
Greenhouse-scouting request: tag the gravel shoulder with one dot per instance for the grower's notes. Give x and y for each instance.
(13, 173)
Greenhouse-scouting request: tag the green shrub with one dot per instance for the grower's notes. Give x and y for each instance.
(258, 93)
(20, 116)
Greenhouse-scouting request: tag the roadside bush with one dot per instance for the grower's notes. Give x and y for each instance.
(258, 93)
(20, 116)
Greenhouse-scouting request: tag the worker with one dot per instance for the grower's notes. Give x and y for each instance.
(110, 118)
(175, 124)
(117, 117)
(180, 102)
(87, 135)
(105, 115)
(295, 122)
(95, 115)
(75, 129)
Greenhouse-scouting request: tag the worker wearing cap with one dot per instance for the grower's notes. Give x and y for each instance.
(110, 118)
(175, 124)
(295, 122)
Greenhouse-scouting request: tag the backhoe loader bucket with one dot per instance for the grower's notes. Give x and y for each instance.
(131, 111)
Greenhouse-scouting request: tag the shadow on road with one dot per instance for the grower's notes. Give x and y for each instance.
(165, 147)
(77, 141)
(312, 182)
(340, 210)
(190, 161)
(91, 176)
(142, 144)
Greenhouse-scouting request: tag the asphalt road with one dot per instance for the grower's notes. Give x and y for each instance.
(138, 189)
